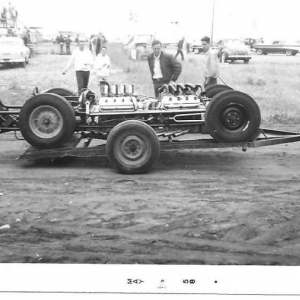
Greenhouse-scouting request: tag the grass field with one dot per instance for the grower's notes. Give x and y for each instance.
(273, 80)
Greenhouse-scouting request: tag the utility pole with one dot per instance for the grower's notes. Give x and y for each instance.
(212, 23)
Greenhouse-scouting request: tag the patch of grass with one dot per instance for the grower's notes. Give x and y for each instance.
(258, 82)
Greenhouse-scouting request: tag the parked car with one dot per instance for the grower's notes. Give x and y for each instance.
(251, 42)
(232, 50)
(139, 46)
(277, 47)
(196, 47)
(13, 51)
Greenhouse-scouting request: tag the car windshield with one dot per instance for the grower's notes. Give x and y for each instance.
(234, 43)
(9, 43)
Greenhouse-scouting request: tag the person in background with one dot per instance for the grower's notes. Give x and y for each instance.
(26, 36)
(93, 44)
(188, 47)
(164, 67)
(101, 41)
(179, 48)
(83, 61)
(211, 63)
(61, 42)
(68, 42)
(102, 64)
(77, 40)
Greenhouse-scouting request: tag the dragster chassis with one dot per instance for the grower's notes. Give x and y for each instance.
(133, 139)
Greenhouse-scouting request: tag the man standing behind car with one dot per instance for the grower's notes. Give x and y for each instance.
(179, 49)
(83, 60)
(211, 63)
(164, 67)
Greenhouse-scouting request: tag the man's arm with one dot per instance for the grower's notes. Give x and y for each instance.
(70, 62)
(150, 64)
(214, 64)
(176, 68)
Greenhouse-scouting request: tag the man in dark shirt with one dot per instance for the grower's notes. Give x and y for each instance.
(179, 48)
(164, 67)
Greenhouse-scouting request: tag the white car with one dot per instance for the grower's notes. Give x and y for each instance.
(13, 51)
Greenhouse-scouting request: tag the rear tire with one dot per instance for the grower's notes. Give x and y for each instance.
(47, 121)
(288, 52)
(259, 52)
(61, 92)
(233, 116)
(213, 90)
(132, 147)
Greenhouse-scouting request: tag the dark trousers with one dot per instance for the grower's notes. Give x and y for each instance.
(179, 51)
(209, 82)
(157, 85)
(61, 46)
(68, 49)
(82, 80)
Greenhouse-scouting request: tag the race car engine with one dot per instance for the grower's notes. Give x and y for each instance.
(122, 98)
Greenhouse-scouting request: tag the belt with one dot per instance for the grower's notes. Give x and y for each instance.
(157, 79)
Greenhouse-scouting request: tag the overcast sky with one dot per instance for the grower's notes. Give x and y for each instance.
(269, 19)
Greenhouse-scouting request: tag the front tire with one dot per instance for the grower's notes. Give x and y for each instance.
(233, 116)
(259, 51)
(47, 121)
(224, 57)
(132, 147)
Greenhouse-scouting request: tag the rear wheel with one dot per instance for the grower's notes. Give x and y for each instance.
(259, 51)
(233, 116)
(246, 60)
(61, 92)
(132, 147)
(213, 90)
(288, 52)
(47, 121)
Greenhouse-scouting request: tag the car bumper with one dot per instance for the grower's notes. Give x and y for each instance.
(11, 60)
(238, 57)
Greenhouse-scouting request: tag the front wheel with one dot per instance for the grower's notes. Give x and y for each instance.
(233, 116)
(224, 57)
(259, 51)
(47, 121)
(132, 147)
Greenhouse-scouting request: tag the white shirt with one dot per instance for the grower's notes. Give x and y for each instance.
(83, 60)
(211, 64)
(102, 64)
(157, 69)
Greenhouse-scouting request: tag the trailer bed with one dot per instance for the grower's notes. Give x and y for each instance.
(77, 147)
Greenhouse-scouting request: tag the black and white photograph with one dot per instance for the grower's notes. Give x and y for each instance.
(155, 143)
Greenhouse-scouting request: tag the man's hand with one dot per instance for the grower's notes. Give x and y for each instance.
(173, 84)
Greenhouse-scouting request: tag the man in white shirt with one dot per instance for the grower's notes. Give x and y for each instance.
(83, 61)
(211, 63)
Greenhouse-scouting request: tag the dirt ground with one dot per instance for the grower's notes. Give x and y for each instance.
(212, 207)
